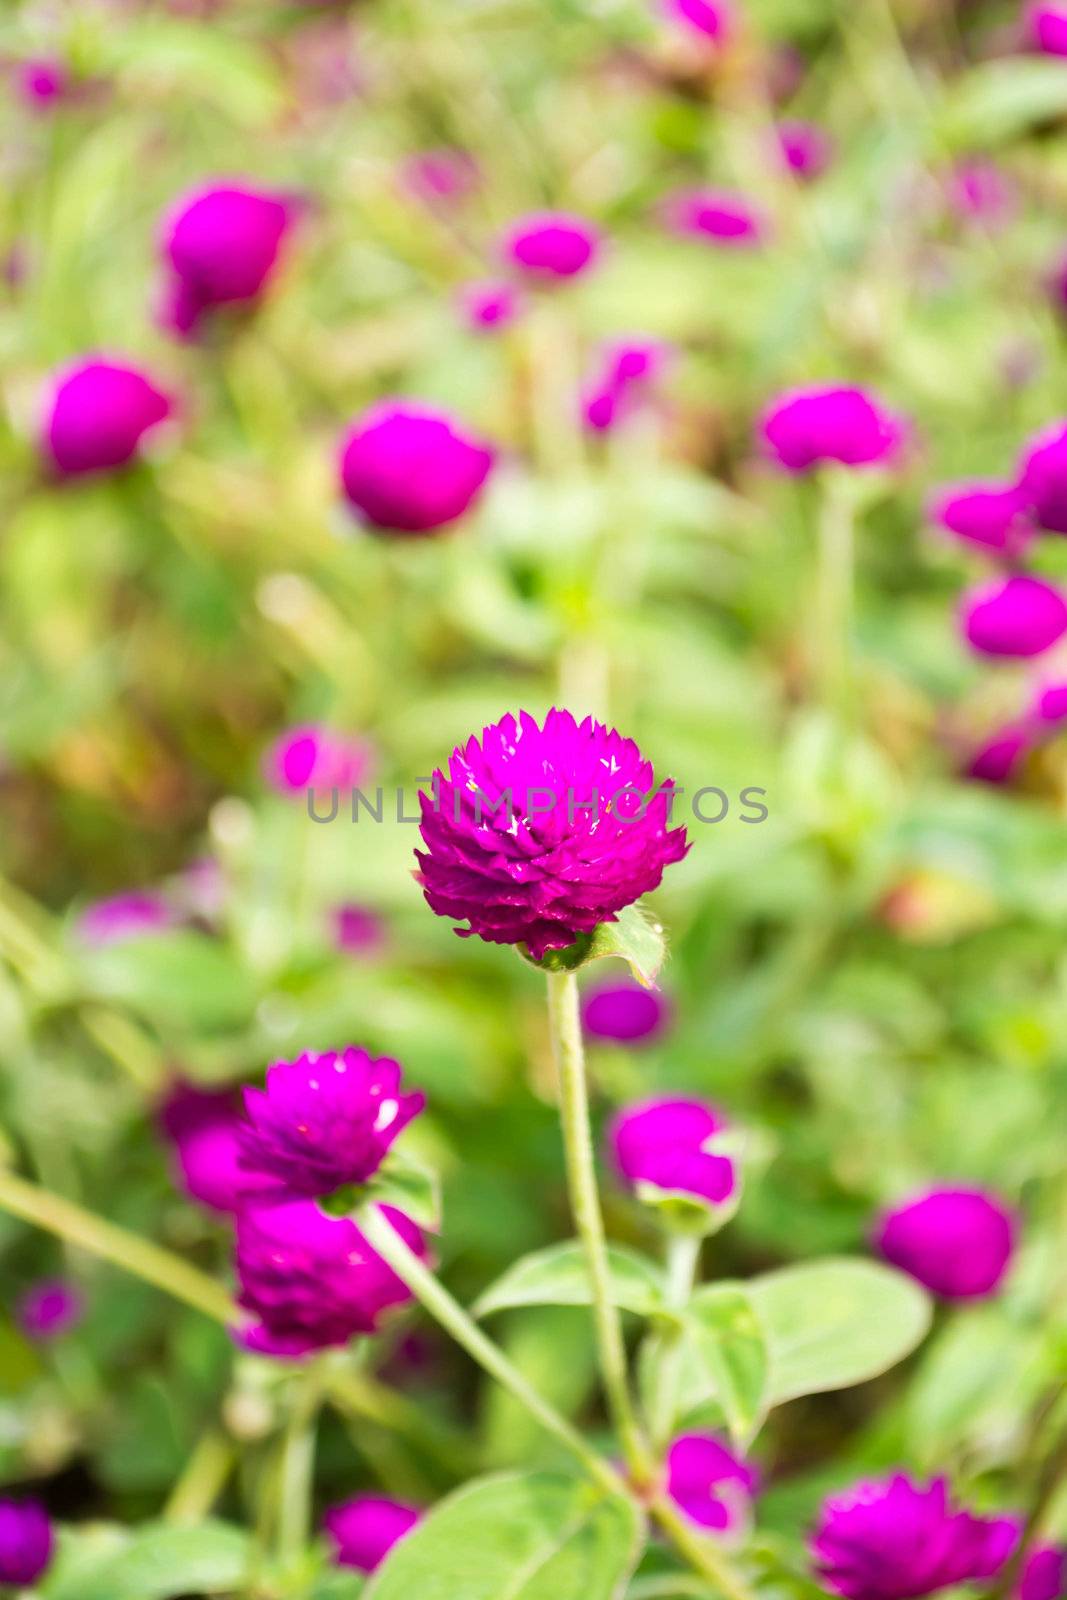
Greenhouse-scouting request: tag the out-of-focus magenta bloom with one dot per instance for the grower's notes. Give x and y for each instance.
(221, 244)
(204, 1126)
(550, 245)
(1044, 1575)
(999, 759)
(42, 82)
(323, 1121)
(1048, 27)
(718, 216)
(100, 412)
(992, 515)
(892, 1539)
(440, 177)
(669, 1143)
(50, 1309)
(808, 427)
(1043, 478)
(311, 757)
(408, 469)
(539, 834)
(26, 1542)
(1019, 616)
(711, 1485)
(626, 1012)
(489, 305)
(712, 19)
(129, 915)
(311, 1280)
(979, 190)
(957, 1242)
(1050, 704)
(365, 1529)
(805, 149)
(357, 930)
(627, 370)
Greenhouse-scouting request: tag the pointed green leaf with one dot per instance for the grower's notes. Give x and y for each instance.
(727, 1351)
(558, 1277)
(634, 937)
(157, 1563)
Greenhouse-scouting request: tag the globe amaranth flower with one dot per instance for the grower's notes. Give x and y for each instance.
(323, 1120)
(896, 1540)
(1050, 704)
(357, 930)
(1043, 478)
(1019, 616)
(407, 468)
(626, 1012)
(1044, 1574)
(489, 305)
(958, 1242)
(993, 516)
(712, 1486)
(26, 1542)
(98, 416)
(626, 373)
(670, 1145)
(221, 245)
(1047, 23)
(49, 1309)
(366, 1528)
(129, 915)
(312, 1281)
(999, 759)
(551, 245)
(979, 190)
(313, 757)
(809, 427)
(717, 216)
(539, 834)
(204, 1128)
(43, 82)
(805, 149)
(712, 19)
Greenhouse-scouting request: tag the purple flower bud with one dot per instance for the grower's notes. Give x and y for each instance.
(1016, 616)
(99, 413)
(1043, 478)
(440, 177)
(357, 930)
(805, 149)
(626, 1012)
(204, 1126)
(313, 1281)
(999, 759)
(1047, 24)
(365, 1529)
(1050, 704)
(222, 245)
(50, 1309)
(716, 215)
(550, 245)
(130, 915)
(42, 82)
(807, 427)
(323, 1121)
(712, 1486)
(26, 1542)
(539, 834)
(669, 1143)
(409, 469)
(895, 1540)
(712, 19)
(979, 190)
(957, 1242)
(626, 371)
(489, 305)
(1044, 1576)
(311, 757)
(988, 514)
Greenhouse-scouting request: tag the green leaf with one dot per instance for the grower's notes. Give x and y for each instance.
(726, 1353)
(180, 977)
(833, 1323)
(999, 100)
(158, 1563)
(521, 1536)
(558, 1277)
(635, 937)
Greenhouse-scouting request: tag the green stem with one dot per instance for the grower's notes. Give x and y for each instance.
(435, 1298)
(297, 1476)
(566, 1029)
(698, 1550)
(138, 1256)
(201, 1482)
(834, 604)
(357, 1394)
(683, 1253)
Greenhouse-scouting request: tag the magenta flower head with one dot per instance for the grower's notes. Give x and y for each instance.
(805, 149)
(668, 1146)
(957, 1242)
(625, 1012)
(50, 1309)
(992, 516)
(204, 1127)
(552, 245)
(312, 757)
(1047, 23)
(712, 1486)
(1050, 705)
(356, 929)
(626, 373)
(711, 20)
(440, 178)
(718, 216)
(1044, 1576)
(129, 915)
(539, 834)
(26, 1542)
(808, 427)
(999, 759)
(365, 1529)
(489, 305)
(1017, 616)
(100, 412)
(311, 1280)
(1043, 478)
(895, 1540)
(406, 468)
(979, 190)
(42, 82)
(323, 1121)
(221, 245)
